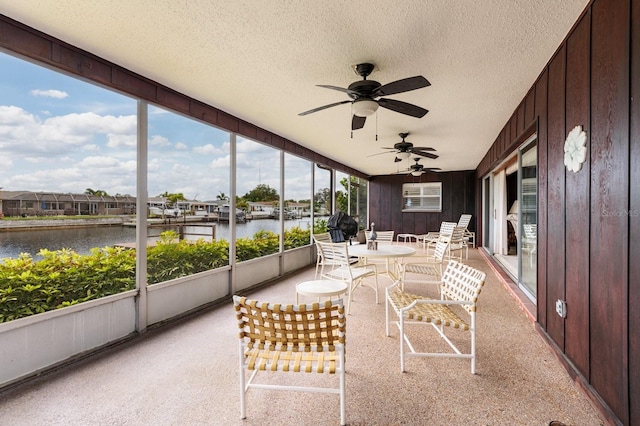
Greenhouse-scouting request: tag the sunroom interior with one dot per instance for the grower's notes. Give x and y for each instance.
(206, 100)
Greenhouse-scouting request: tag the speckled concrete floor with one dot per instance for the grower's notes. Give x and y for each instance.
(186, 374)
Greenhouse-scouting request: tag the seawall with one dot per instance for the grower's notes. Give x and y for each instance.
(25, 225)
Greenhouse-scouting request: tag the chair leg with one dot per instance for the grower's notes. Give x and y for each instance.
(375, 277)
(473, 343)
(401, 342)
(386, 315)
(243, 411)
(342, 390)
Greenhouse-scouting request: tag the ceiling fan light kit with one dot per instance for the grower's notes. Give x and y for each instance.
(364, 107)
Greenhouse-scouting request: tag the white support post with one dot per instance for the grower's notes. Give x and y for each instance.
(141, 218)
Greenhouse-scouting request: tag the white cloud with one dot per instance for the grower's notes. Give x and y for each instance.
(24, 133)
(98, 162)
(157, 140)
(51, 93)
(208, 149)
(117, 141)
(130, 166)
(91, 147)
(181, 146)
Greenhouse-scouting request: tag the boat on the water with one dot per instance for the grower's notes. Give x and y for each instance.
(223, 214)
(165, 211)
(288, 214)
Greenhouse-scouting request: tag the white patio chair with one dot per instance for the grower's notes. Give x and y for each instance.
(430, 239)
(336, 256)
(323, 237)
(464, 221)
(382, 238)
(267, 343)
(425, 270)
(458, 242)
(460, 286)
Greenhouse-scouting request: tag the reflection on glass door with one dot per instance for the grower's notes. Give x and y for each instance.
(487, 209)
(527, 232)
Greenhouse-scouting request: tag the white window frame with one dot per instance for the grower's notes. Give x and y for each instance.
(422, 197)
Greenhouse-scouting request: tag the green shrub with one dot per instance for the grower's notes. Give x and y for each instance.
(262, 244)
(320, 226)
(64, 277)
(169, 260)
(296, 237)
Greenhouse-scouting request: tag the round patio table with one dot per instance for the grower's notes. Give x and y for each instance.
(321, 288)
(384, 251)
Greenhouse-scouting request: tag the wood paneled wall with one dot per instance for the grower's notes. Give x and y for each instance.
(385, 202)
(589, 221)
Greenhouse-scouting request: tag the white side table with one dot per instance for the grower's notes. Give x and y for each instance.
(321, 288)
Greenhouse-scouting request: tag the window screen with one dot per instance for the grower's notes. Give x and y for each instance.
(422, 197)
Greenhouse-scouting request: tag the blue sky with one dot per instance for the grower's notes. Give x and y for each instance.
(60, 134)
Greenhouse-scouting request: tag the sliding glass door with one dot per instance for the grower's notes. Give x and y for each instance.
(527, 232)
(509, 207)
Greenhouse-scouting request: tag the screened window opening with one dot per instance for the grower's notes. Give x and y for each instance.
(422, 197)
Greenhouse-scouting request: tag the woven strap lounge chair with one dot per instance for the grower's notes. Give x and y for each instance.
(459, 290)
(430, 239)
(291, 339)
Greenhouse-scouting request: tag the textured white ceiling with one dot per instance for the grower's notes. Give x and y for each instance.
(261, 61)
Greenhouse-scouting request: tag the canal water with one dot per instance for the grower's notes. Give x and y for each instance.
(82, 240)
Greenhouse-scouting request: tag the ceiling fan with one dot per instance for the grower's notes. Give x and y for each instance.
(405, 149)
(363, 96)
(418, 169)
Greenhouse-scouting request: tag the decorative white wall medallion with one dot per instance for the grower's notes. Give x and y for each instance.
(575, 150)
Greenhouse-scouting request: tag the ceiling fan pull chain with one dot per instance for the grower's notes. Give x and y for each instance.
(351, 115)
(376, 126)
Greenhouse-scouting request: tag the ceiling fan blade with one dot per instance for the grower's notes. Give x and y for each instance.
(400, 86)
(340, 89)
(425, 154)
(381, 153)
(323, 107)
(403, 107)
(357, 122)
(423, 148)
